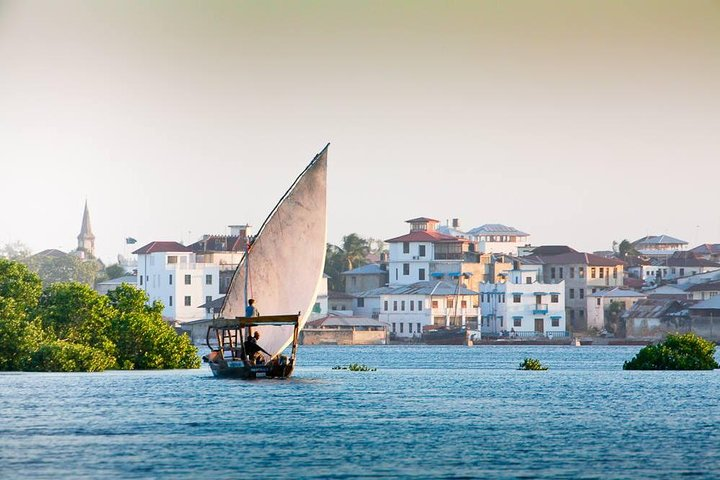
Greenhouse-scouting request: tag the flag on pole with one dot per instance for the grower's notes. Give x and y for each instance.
(130, 240)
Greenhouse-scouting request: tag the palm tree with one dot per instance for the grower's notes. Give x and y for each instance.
(355, 249)
(626, 249)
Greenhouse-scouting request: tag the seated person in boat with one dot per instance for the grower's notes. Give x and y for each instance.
(253, 350)
(250, 310)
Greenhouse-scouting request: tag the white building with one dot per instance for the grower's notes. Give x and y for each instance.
(522, 306)
(407, 309)
(169, 272)
(496, 238)
(414, 256)
(659, 246)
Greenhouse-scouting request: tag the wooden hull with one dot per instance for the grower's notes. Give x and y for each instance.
(238, 369)
(450, 336)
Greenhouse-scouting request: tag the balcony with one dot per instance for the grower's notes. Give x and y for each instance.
(540, 309)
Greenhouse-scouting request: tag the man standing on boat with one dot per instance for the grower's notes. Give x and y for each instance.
(250, 310)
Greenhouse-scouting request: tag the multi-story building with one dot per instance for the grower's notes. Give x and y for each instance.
(367, 277)
(406, 309)
(170, 272)
(225, 251)
(708, 251)
(598, 304)
(523, 306)
(658, 245)
(425, 254)
(582, 274)
(496, 238)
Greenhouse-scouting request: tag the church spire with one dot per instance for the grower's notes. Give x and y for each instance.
(86, 239)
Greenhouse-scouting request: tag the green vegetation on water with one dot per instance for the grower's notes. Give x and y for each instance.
(532, 364)
(678, 352)
(355, 367)
(69, 327)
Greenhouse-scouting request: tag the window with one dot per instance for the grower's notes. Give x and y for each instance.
(682, 272)
(170, 279)
(393, 327)
(463, 304)
(386, 306)
(171, 259)
(562, 272)
(572, 272)
(418, 328)
(421, 250)
(406, 269)
(141, 279)
(402, 306)
(187, 279)
(187, 300)
(572, 293)
(395, 305)
(406, 248)
(502, 298)
(615, 272)
(552, 273)
(594, 290)
(581, 313)
(450, 303)
(598, 301)
(582, 292)
(516, 298)
(593, 272)
(208, 299)
(434, 304)
(420, 305)
(499, 318)
(528, 280)
(555, 322)
(208, 279)
(421, 274)
(572, 315)
(170, 301)
(517, 322)
(360, 302)
(409, 327)
(412, 306)
(401, 327)
(554, 298)
(396, 274)
(602, 273)
(581, 272)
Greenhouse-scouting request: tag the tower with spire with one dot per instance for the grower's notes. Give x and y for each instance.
(86, 239)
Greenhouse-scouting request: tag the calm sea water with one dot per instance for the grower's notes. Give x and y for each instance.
(428, 412)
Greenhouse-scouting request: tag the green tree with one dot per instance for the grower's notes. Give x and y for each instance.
(143, 340)
(19, 331)
(66, 268)
(76, 313)
(15, 251)
(678, 352)
(62, 356)
(114, 271)
(626, 250)
(355, 250)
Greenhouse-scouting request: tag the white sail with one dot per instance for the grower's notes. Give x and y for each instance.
(286, 259)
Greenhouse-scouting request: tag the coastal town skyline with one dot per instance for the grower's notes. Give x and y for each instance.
(574, 124)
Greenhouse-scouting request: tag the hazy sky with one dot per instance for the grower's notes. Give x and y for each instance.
(579, 122)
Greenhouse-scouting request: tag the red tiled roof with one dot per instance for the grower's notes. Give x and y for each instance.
(154, 247)
(705, 287)
(421, 219)
(220, 243)
(425, 236)
(633, 282)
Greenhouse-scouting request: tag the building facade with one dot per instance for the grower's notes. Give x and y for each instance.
(170, 273)
(523, 306)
